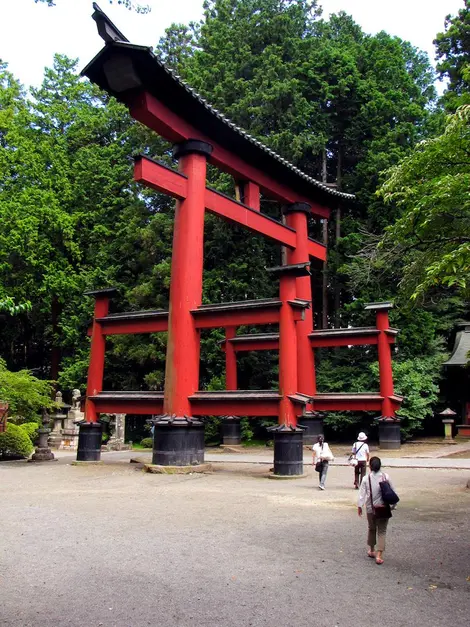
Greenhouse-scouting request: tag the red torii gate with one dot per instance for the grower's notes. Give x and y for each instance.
(201, 135)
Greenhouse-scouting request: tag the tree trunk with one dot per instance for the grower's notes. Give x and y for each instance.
(56, 309)
(337, 286)
(283, 248)
(324, 293)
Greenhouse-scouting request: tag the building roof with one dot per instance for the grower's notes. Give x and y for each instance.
(121, 67)
(460, 354)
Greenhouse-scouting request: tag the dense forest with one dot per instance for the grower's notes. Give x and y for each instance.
(354, 110)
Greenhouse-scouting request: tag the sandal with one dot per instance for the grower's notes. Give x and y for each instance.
(371, 554)
(379, 561)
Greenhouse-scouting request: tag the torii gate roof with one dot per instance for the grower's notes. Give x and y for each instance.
(124, 69)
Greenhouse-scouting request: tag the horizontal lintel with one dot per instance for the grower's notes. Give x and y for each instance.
(147, 109)
(164, 179)
(160, 177)
(344, 402)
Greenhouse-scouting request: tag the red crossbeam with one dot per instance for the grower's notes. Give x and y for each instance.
(164, 179)
(344, 402)
(154, 114)
(237, 403)
(206, 317)
(257, 345)
(128, 403)
(263, 315)
(124, 326)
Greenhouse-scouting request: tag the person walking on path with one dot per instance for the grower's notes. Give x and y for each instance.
(378, 512)
(360, 452)
(322, 456)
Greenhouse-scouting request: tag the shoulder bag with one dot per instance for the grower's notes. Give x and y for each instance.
(381, 511)
(319, 464)
(389, 496)
(352, 458)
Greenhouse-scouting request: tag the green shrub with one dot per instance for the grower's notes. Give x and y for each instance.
(246, 429)
(15, 442)
(417, 381)
(146, 443)
(25, 393)
(212, 429)
(31, 429)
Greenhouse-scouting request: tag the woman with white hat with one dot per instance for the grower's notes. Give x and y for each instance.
(360, 454)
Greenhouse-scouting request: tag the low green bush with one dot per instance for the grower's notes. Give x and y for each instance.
(147, 443)
(26, 394)
(31, 429)
(15, 442)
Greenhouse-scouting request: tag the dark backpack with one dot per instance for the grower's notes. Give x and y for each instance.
(389, 496)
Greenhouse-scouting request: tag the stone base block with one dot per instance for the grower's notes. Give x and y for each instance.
(116, 446)
(80, 463)
(141, 460)
(177, 470)
(42, 455)
(232, 448)
(55, 440)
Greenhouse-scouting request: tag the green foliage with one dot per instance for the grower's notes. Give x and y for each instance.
(15, 442)
(31, 428)
(246, 430)
(146, 443)
(128, 4)
(26, 394)
(8, 304)
(431, 239)
(336, 101)
(417, 381)
(453, 57)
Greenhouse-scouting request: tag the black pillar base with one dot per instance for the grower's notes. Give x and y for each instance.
(178, 441)
(389, 433)
(313, 423)
(288, 450)
(231, 431)
(89, 442)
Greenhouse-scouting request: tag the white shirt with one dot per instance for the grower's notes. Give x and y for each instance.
(361, 450)
(322, 452)
(364, 492)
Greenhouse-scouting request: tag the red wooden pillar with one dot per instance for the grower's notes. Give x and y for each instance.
(288, 339)
(183, 349)
(97, 350)
(385, 356)
(287, 350)
(296, 216)
(230, 360)
(250, 195)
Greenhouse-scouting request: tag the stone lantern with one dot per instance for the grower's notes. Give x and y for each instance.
(43, 453)
(448, 419)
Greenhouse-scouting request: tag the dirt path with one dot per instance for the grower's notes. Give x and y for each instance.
(111, 546)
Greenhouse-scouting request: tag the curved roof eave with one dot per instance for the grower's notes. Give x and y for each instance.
(169, 88)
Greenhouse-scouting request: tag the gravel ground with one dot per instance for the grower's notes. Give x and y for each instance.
(111, 546)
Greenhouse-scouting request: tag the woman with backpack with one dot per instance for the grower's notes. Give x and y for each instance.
(359, 458)
(322, 456)
(372, 495)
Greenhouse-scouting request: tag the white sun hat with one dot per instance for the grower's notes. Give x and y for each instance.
(362, 437)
